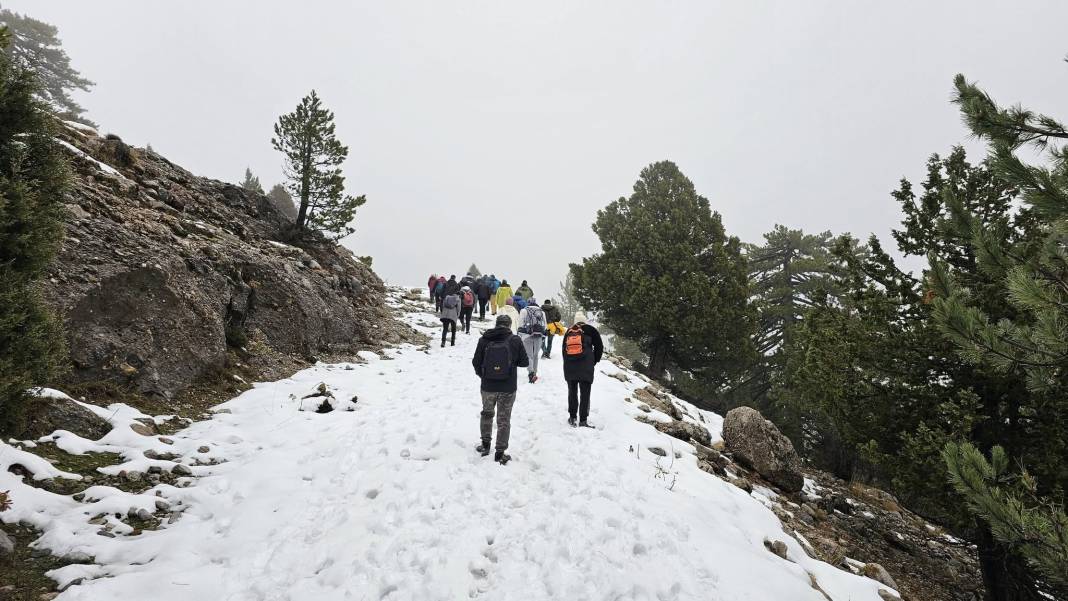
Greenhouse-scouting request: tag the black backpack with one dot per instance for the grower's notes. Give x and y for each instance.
(497, 360)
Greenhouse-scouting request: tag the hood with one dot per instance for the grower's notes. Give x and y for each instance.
(497, 334)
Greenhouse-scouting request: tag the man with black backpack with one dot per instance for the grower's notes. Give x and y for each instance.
(532, 327)
(582, 350)
(498, 355)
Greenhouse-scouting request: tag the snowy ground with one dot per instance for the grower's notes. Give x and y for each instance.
(390, 501)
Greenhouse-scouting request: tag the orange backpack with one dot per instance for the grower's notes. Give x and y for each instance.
(575, 343)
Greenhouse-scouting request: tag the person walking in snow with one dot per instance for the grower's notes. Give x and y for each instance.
(524, 291)
(467, 307)
(532, 327)
(582, 350)
(452, 286)
(494, 285)
(433, 281)
(497, 357)
(519, 302)
(468, 280)
(508, 309)
(554, 326)
(482, 291)
(439, 293)
(450, 312)
(504, 292)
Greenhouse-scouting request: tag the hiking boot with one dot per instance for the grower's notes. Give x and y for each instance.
(571, 422)
(442, 344)
(584, 424)
(483, 448)
(501, 457)
(532, 378)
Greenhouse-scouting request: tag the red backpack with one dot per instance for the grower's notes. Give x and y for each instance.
(575, 343)
(469, 299)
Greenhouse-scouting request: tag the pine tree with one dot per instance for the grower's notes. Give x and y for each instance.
(251, 182)
(33, 180)
(282, 201)
(568, 302)
(1023, 331)
(35, 46)
(313, 156)
(669, 278)
(473, 270)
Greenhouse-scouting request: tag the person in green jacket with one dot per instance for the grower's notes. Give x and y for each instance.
(524, 291)
(503, 293)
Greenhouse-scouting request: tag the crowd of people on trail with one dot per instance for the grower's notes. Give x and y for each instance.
(523, 332)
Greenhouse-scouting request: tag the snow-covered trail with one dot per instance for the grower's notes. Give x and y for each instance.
(390, 501)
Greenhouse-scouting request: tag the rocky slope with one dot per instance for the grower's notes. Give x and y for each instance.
(166, 278)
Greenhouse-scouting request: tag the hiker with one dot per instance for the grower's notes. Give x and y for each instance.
(554, 326)
(468, 280)
(482, 291)
(439, 293)
(452, 286)
(494, 285)
(524, 291)
(498, 354)
(582, 349)
(532, 327)
(504, 292)
(467, 307)
(508, 309)
(519, 302)
(450, 312)
(433, 281)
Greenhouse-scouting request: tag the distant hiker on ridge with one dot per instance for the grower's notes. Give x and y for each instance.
(467, 307)
(439, 293)
(554, 326)
(504, 292)
(433, 281)
(532, 327)
(582, 351)
(494, 285)
(498, 354)
(450, 312)
(524, 291)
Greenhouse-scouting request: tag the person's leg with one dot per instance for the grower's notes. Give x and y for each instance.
(584, 407)
(453, 323)
(493, 304)
(489, 400)
(530, 343)
(481, 310)
(572, 399)
(505, 400)
(548, 348)
(444, 330)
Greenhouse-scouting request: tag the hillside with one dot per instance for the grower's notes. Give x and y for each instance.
(385, 498)
(169, 283)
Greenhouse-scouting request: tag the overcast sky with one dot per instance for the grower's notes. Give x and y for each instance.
(492, 132)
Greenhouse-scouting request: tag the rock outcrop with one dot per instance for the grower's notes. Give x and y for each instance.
(163, 273)
(758, 444)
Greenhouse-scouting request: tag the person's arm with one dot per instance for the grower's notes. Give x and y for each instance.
(598, 344)
(520, 351)
(476, 361)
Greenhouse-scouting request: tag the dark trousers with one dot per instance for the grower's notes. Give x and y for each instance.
(547, 345)
(445, 323)
(574, 388)
(502, 402)
(465, 318)
(482, 309)
(437, 302)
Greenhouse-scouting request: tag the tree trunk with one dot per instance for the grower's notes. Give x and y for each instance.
(658, 360)
(1004, 575)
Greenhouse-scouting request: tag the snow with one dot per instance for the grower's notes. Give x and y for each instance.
(390, 501)
(100, 165)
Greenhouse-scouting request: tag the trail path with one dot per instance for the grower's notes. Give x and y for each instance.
(390, 501)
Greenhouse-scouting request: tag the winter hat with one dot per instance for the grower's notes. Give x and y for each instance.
(548, 301)
(465, 288)
(580, 317)
(503, 321)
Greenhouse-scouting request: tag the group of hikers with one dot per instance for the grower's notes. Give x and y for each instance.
(523, 331)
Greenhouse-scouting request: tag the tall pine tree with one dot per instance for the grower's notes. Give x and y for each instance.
(313, 156)
(282, 201)
(35, 46)
(251, 182)
(670, 278)
(33, 179)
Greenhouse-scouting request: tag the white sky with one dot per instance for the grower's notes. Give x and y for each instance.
(493, 131)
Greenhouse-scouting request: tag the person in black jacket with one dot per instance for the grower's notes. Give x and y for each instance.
(451, 286)
(482, 291)
(582, 350)
(497, 357)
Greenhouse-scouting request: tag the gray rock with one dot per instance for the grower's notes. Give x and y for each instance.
(46, 415)
(181, 470)
(684, 431)
(162, 505)
(886, 595)
(144, 515)
(203, 449)
(658, 451)
(879, 574)
(777, 547)
(7, 546)
(758, 444)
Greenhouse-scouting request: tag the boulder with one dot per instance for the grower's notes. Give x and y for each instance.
(776, 546)
(879, 574)
(51, 413)
(685, 431)
(758, 444)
